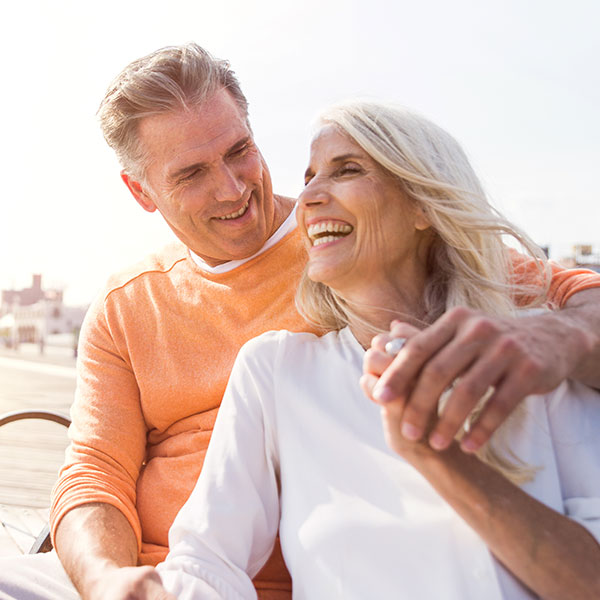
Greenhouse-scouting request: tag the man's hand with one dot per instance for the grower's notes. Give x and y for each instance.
(98, 550)
(517, 356)
(130, 583)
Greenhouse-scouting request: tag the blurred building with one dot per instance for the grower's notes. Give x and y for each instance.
(587, 256)
(35, 315)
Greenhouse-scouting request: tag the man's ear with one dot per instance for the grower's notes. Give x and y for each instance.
(135, 187)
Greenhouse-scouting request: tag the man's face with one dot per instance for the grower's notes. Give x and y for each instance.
(208, 180)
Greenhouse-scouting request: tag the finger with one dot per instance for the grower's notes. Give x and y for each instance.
(419, 349)
(380, 340)
(472, 335)
(367, 383)
(509, 393)
(465, 395)
(402, 329)
(376, 362)
(435, 378)
(399, 330)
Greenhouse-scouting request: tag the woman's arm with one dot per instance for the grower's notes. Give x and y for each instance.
(226, 530)
(553, 555)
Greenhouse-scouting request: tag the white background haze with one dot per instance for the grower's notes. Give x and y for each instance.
(518, 84)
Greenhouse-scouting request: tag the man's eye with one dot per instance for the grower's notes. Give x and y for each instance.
(240, 151)
(190, 176)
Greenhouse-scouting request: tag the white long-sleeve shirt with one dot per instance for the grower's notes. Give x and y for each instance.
(298, 446)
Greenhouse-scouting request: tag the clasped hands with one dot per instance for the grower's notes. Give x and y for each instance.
(469, 352)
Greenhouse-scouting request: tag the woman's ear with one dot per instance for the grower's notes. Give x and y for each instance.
(421, 221)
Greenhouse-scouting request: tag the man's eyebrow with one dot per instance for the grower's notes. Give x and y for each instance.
(173, 177)
(336, 159)
(239, 144)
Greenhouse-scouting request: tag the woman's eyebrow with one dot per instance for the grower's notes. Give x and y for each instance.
(343, 157)
(336, 159)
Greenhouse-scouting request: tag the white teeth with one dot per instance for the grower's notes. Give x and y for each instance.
(325, 239)
(328, 226)
(236, 214)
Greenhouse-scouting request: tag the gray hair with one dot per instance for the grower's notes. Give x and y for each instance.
(170, 79)
(468, 263)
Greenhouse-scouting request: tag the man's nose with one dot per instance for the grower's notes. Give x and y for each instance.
(229, 187)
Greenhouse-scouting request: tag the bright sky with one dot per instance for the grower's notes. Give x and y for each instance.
(518, 83)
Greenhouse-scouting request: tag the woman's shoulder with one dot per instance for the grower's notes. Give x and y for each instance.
(281, 339)
(274, 346)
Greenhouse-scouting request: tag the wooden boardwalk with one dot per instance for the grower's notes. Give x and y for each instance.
(31, 451)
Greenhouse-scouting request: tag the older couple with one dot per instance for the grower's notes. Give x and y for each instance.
(397, 228)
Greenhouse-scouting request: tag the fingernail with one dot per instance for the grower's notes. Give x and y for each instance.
(469, 445)
(382, 393)
(437, 441)
(411, 432)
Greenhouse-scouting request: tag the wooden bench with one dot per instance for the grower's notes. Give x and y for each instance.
(25, 477)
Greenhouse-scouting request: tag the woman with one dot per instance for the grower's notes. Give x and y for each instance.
(394, 217)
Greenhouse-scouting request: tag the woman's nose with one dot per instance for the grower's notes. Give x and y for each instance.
(314, 193)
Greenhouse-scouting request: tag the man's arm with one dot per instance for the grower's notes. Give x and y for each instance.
(98, 549)
(583, 310)
(93, 503)
(521, 356)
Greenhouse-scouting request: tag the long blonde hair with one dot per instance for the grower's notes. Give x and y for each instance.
(468, 262)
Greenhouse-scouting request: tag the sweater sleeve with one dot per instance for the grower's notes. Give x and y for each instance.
(563, 283)
(226, 530)
(108, 433)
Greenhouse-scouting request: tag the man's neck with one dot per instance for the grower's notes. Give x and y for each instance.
(283, 207)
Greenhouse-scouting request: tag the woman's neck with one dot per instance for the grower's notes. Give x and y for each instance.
(375, 306)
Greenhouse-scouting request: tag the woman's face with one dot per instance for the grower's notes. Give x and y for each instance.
(359, 225)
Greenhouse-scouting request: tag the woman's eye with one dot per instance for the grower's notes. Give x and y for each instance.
(348, 170)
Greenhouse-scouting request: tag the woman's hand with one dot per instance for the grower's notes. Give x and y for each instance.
(377, 360)
(516, 356)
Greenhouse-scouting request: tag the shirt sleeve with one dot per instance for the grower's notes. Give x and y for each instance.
(226, 530)
(563, 283)
(108, 431)
(574, 418)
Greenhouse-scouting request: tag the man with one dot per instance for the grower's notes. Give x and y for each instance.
(157, 346)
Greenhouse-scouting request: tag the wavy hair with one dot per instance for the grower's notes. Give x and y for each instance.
(468, 263)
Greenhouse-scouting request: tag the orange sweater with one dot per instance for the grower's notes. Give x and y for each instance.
(155, 355)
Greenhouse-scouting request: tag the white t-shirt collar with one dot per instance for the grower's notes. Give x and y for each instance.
(288, 225)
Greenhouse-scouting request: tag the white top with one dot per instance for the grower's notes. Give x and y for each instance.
(297, 445)
(287, 226)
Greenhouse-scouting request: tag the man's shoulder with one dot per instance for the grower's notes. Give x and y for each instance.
(160, 262)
